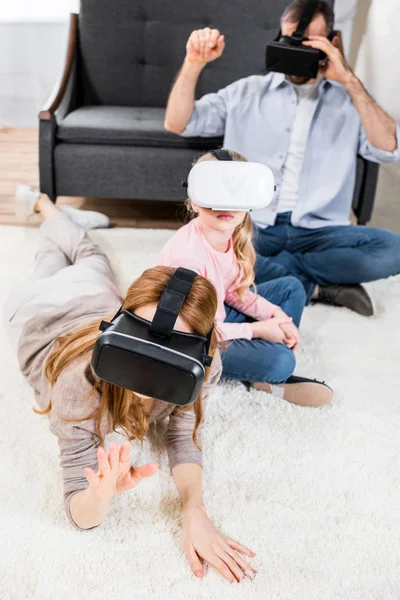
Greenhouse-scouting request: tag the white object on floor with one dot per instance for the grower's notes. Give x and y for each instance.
(87, 219)
(314, 492)
(26, 198)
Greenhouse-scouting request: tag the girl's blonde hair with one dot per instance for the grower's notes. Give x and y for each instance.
(124, 408)
(242, 236)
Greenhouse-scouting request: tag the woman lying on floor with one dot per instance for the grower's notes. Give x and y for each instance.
(260, 328)
(54, 321)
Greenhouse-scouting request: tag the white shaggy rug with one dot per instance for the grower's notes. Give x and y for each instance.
(314, 492)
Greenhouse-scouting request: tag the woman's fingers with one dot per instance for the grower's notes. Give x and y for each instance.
(194, 561)
(239, 560)
(144, 471)
(239, 547)
(125, 452)
(104, 465)
(220, 566)
(231, 563)
(113, 456)
(136, 474)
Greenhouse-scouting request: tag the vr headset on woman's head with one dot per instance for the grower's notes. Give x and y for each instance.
(226, 184)
(286, 54)
(151, 358)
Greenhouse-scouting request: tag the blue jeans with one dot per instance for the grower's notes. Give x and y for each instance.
(346, 254)
(259, 360)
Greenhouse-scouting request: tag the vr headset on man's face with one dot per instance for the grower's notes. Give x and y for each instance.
(288, 55)
(151, 358)
(226, 184)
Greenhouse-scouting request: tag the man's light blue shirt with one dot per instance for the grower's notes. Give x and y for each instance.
(256, 115)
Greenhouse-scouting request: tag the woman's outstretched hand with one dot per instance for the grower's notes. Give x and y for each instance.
(116, 473)
(202, 540)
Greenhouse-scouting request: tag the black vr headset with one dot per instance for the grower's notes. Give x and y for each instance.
(286, 54)
(150, 358)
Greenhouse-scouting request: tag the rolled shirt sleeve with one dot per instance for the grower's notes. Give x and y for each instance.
(251, 304)
(374, 154)
(235, 331)
(75, 455)
(73, 399)
(208, 117)
(210, 112)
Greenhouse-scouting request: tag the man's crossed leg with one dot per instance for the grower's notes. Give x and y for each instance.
(330, 261)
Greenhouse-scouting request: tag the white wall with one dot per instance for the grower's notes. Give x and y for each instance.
(12, 11)
(378, 66)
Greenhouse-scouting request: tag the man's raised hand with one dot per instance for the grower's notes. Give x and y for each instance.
(204, 46)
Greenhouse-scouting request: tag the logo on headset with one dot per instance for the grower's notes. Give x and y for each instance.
(234, 184)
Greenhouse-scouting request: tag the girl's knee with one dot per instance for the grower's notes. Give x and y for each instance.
(283, 365)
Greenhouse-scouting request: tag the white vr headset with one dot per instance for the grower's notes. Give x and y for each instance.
(225, 184)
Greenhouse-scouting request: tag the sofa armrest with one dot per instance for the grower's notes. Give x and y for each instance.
(59, 92)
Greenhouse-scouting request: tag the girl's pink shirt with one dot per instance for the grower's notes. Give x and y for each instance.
(189, 248)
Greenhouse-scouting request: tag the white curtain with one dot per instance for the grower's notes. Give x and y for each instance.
(379, 54)
(345, 11)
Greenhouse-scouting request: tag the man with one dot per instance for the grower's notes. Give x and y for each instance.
(309, 133)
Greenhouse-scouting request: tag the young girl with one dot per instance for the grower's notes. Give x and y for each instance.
(260, 328)
(55, 321)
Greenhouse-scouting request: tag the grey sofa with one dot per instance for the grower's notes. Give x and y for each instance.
(101, 133)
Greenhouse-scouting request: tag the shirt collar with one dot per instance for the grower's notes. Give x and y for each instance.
(278, 79)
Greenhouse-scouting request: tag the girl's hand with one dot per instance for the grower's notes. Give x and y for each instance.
(292, 335)
(116, 473)
(270, 329)
(201, 539)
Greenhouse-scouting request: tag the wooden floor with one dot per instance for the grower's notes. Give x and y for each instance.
(19, 164)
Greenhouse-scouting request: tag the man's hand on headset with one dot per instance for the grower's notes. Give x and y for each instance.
(116, 473)
(336, 67)
(204, 46)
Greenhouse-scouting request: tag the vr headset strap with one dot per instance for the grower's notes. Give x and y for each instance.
(171, 302)
(221, 154)
(105, 324)
(305, 20)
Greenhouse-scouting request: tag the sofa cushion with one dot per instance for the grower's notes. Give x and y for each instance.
(127, 126)
(131, 50)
